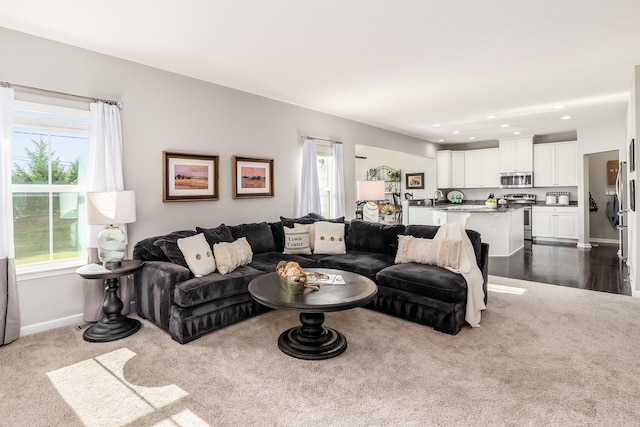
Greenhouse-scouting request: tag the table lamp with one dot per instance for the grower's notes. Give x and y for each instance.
(111, 208)
(369, 191)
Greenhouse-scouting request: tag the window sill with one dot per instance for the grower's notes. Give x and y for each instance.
(48, 269)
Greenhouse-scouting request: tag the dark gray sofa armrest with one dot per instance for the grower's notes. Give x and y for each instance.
(484, 267)
(154, 285)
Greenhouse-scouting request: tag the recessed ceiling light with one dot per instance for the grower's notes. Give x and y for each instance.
(436, 125)
(472, 137)
(441, 140)
(504, 125)
(557, 107)
(456, 131)
(565, 117)
(491, 117)
(516, 133)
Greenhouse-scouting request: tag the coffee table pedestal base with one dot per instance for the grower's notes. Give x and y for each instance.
(312, 341)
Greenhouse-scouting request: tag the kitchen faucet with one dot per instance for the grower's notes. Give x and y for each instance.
(435, 196)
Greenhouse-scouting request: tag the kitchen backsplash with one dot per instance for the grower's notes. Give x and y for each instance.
(541, 193)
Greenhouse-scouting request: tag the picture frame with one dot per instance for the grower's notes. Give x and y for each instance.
(252, 177)
(632, 155)
(414, 181)
(189, 177)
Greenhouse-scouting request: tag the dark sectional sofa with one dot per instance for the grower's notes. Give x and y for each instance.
(187, 307)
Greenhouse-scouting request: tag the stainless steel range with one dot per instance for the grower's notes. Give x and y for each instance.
(525, 200)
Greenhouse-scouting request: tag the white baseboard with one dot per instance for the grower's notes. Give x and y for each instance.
(76, 319)
(604, 241)
(51, 324)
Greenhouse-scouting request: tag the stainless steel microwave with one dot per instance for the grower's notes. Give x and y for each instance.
(516, 179)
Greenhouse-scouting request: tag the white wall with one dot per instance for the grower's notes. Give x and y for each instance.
(407, 163)
(165, 111)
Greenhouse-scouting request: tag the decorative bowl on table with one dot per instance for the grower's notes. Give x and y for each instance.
(293, 284)
(491, 205)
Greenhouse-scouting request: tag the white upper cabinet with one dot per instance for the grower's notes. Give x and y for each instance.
(450, 166)
(516, 155)
(481, 168)
(555, 164)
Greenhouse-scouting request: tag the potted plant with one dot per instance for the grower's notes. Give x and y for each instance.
(388, 210)
(394, 176)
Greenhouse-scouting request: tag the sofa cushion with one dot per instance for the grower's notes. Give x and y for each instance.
(440, 252)
(268, 261)
(429, 231)
(214, 286)
(297, 240)
(277, 232)
(365, 263)
(230, 256)
(198, 254)
(215, 235)
(329, 238)
(169, 245)
(145, 250)
(258, 235)
(422, 279)
(374, 237)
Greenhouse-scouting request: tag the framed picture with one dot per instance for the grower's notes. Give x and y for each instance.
(189, 177)
(632, 155)
(252, 177)
(415, 181)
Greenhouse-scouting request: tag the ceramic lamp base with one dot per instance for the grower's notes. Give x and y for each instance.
(111, 246)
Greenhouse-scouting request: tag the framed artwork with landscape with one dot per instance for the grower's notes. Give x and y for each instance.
(189, 177)
(252, 177)
(415, 181)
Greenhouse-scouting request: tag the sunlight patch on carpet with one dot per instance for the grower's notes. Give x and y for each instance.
(98, 392)
(503, 289)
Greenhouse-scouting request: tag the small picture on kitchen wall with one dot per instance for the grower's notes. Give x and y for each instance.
(632, 194)
(632, 155)
(415, 181)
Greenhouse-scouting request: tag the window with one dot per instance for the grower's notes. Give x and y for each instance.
(50, 149)
(324, 155)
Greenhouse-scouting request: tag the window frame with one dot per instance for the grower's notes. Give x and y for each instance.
(325, 151)
(51, 267)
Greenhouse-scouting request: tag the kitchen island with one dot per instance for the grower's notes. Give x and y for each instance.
(502, 229)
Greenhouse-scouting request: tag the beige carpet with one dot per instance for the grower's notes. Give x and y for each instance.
(545, 355)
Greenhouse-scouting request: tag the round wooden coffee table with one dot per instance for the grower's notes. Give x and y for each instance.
(312, 340)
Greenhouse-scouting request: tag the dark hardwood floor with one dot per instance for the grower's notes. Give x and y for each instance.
(598, 269)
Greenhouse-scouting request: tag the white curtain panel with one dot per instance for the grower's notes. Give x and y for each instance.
(337, 192)
(9, 307)
(105, 173)
(309, 189)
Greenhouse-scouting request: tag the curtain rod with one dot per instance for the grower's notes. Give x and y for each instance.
(38, 90)
(321, 139)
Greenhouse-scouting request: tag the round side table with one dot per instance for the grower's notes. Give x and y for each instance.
(114, 325)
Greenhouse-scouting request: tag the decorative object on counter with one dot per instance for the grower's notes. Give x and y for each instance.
(557, 198)
(292, 277)
(503, 204)
(415, 181)
(455, 196)
(491, 202)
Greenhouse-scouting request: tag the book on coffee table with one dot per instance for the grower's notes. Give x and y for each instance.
(326, 279)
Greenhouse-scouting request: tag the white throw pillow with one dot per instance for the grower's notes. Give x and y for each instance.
(440, 252)
(312, 232)
(329, 239)
(296, 240)
(198, 254)
(230, 256)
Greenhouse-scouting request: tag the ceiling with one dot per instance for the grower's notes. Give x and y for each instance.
(424, 68)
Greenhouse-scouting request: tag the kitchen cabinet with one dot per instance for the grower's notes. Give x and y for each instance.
(481, 168)
(450, 165)
(554, 222)
(516, 155)
(555, 164)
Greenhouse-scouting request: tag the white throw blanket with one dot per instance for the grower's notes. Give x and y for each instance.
(468, 268)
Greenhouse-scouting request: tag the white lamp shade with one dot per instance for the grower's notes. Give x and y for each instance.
(370, 190)
(111, 207)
